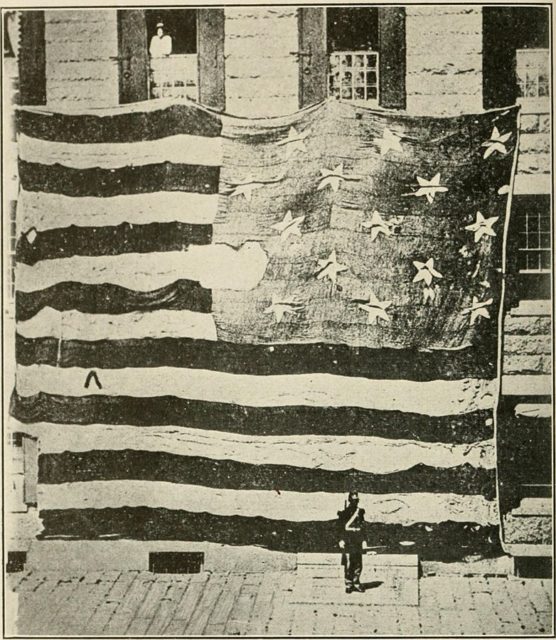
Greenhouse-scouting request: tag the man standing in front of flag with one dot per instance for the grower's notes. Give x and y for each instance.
(351, 520)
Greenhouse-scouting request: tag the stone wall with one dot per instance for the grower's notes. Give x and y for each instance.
(262, 77)
(534, 162)
(81, 52)
(527, 345)
(444, 59)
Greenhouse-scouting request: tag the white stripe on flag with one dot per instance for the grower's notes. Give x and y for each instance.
(45, 211)
(214, 266)
(401, 508)
(334, 453)
(74, 325)
(185, 149)
(434, 398)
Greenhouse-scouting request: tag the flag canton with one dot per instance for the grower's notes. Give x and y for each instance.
(381, 230)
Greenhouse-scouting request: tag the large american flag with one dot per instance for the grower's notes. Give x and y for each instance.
(225, 324)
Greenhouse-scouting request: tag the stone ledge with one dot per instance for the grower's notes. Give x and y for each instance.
(526, 385)
(532, 184)
(501, 566)
(532, 308)
(533, 410)
(100, 555)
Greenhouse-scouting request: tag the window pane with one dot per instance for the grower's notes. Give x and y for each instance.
(371, 77)
(360, 93)
(545, 240)
(546, 260)
(346, 93)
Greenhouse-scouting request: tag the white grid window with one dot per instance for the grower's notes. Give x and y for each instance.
(174, 76)
(353, 76)
(534, 241)
(533, 73)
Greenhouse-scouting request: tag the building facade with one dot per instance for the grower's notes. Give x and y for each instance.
(440, 60)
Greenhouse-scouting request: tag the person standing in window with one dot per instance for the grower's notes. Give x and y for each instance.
(351, 521)
(161, 43)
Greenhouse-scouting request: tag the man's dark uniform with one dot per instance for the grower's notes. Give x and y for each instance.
(351, 520)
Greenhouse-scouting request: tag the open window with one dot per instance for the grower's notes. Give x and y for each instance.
(183, 57)
(172, 38)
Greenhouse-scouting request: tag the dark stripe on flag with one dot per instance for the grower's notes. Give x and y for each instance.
(113, 299)
(103, 183)
(286, 420)
(111, 241)
(128, 464)
(436, 542)
(247, 359)
(124, 127)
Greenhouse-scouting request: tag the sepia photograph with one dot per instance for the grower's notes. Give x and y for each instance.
(277, 320)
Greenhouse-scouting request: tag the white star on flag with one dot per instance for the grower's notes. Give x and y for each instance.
(332, 178)
(426, 271)
(246, 188)
(428, 188)
(389, 141)
(376, 309)
(289, 226)
(377, 225)
(477, 309)
(294, 142)
(248, 185)
(281, 307)
(496, 143)
(482, 226)
(330, 268)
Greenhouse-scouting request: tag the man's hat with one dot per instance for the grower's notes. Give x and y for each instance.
(159, 24)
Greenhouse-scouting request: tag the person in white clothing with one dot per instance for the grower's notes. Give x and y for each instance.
(161, 43)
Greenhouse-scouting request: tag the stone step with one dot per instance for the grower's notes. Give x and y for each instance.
(533, 507)
(378, 559)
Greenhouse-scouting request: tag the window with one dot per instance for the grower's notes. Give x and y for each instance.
(514, 38)
(532, 73)
(352, 53)
(529, 248)
(352, 42)
(172, 38)
(534, 251)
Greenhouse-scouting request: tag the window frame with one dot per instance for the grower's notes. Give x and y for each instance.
(313, 56)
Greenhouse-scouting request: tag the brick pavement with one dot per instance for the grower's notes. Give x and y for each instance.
(258, 603)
